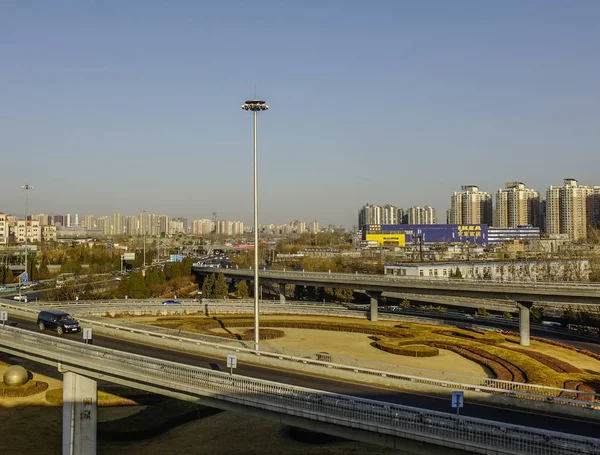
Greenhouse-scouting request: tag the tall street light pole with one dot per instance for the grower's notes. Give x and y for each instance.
(26, 188)
(145, 229)
(255, 106)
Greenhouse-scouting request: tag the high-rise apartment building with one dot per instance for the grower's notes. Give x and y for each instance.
(76, 220)
(117, 224)
(202, 227)
(43, 218)
(314, 226)
(4, 233)
(421, 215)
(470, 206)
(389, 214)
(89, 222)
(59, 219)
(103, 223)
(517, 206)
(68, 220)
(369, 214)
(572, 208)
(131, 225)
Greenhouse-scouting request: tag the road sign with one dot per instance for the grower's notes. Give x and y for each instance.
(458, 399)
(87, 335)
(231, 362)
(129, 256)
(3, 316)
(24, 277)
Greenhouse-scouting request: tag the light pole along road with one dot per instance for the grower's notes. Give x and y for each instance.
(255, 106)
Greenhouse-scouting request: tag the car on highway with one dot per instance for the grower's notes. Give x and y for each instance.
(171, 302)
(58, 320)
(20, 298)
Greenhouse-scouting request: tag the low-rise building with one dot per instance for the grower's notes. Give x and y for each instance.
(525, 270)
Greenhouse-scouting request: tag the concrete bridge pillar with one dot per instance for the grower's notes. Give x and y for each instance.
(524, 332)
(80, 414)
(375, 297)
(282, 293)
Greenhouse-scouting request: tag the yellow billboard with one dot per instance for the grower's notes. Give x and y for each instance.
(386, 239)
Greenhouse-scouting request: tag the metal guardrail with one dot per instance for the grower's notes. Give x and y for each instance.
(387, 279)
(440, 428)
(332, 361)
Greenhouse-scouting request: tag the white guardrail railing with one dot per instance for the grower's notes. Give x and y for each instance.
(379, 279)
(477, 435)
(518, 390)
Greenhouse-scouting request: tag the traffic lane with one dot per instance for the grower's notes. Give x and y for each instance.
(402, 397)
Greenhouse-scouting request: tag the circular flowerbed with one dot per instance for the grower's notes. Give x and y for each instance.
(25, 390)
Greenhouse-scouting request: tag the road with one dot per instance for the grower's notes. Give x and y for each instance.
(427, 402)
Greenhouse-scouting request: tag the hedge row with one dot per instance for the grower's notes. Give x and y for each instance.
(561, 345)
(502, 368)
(264, 334)
(580, 386)
(25, 390)
(413, 350)
(560, 366)
(488, 338)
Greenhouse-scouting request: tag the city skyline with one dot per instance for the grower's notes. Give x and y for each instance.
(106, 107)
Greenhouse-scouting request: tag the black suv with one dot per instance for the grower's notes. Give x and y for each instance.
(59, 320)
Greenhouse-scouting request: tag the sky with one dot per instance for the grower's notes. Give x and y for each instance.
(113, 106)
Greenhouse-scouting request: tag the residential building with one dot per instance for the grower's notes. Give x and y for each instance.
(572, 208)
(369, 214)
(48, 233)
(202, 227)
(314, 226)
(470, 206)
(43, 218)
(4, 230)
(30, 228)
(117, 224)
(59, 219)
(554, 270)
(89, 222)
(421, 215)
(103, 225)
(68, 220)
(517, 206)
(389, 214)
(131, 225)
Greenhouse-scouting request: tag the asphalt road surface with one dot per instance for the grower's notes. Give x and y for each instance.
(427, 402)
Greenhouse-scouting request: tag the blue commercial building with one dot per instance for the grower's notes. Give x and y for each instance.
(431, 233)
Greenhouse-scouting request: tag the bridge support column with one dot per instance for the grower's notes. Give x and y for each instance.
(80, 414)
(375, 296)
(282, 293)
(524, 332)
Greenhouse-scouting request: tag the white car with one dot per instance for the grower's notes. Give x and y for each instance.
(20, 298)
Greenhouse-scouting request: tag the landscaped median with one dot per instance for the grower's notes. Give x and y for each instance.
(500, 354)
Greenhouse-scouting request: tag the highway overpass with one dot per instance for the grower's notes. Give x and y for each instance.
(413, 429)
(523, 294)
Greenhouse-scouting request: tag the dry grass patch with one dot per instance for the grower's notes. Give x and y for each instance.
(105, 399)
(20, 391)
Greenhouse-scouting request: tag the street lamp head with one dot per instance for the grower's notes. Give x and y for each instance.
(26, 187)
(255, 105)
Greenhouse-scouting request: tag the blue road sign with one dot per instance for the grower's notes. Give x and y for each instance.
(24, 277)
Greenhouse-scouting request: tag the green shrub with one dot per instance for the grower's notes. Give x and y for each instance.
(507, 315)
(411, 350)
(482, 311)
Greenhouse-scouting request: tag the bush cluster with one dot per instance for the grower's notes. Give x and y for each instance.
(487, 337)
(560, 345)
(579, 386)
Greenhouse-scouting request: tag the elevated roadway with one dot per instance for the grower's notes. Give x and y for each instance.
(362, 413)
(523, 294)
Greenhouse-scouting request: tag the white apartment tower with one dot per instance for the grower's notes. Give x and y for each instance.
(572, 208)
(470, 206)
(421, 215)
(517, 206)
(369, 214)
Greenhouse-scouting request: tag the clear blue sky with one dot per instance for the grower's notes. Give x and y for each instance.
(116, 106)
